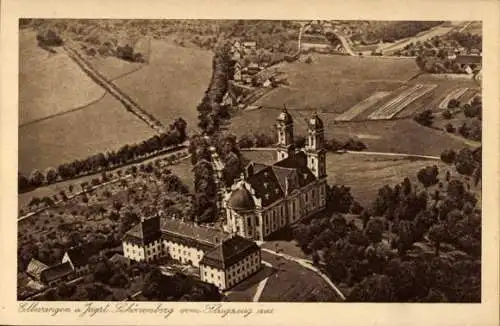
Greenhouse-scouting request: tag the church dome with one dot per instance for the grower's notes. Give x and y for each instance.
(241, 200)
(285, 116)
(315, 122)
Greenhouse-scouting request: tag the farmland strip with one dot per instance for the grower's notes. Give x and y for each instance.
(114, 90)
(455, 94)
(397, 104)
(360, 107)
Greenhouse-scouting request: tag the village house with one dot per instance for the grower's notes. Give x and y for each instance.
(224, 259)
(35, 268)
(78, 258)
(470, 63)
(267, 198)
(57, 273)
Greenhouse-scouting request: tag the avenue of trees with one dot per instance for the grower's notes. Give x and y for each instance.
(103, 161)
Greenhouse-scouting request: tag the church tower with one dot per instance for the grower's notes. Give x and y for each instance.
(315, 147)
(285, 135)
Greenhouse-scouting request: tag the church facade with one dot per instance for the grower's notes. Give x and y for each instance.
(270, 197)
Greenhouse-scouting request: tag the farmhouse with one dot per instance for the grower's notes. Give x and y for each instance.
(35, 268)
(270, 197)
(469, 63)
(78, 258)
(57, 273)
(224, 259)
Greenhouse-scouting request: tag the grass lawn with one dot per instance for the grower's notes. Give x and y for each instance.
(173, 82)
(364, 174)
(50, 83)
(399, 136)
(294, 283)
(102, 126)
(335, 83)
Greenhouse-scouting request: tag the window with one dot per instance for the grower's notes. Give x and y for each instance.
(249, 222)
(257, 221)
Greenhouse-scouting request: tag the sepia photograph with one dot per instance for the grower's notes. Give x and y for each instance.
(202, 160)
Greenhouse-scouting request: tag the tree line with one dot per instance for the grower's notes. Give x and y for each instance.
(103, 161)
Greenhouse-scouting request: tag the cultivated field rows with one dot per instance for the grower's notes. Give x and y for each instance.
(362, 106)
(398, 103)
(455, 94)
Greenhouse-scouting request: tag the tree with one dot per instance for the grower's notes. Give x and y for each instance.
(51, 175)
(375, 288)
(453, 103)
(447, 115)
(36, 178)
(448, 156)
(424, 118)
(428, 176)
(405, 237)
(437, 234)
(22, 182)
(374, 229)
(449, 128)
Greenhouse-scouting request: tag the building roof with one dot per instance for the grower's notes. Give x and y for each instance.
(176, 229)
(56, 272)
(229, 252)
(469, 59)
(80, 255)
(35, 268)
(273, 182)
(241, 200)
(145, 232)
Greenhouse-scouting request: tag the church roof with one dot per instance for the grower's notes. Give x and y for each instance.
(241, 200)
(229, 252)
(272, 182)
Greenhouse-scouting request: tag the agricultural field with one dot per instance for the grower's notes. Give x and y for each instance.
(101, 126)
(362, 106)
(475, 27)
(335, 83)
(400, 102)
(172, 84)
(365, 174)
(50, 83)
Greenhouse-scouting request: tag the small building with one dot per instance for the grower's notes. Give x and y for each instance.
(78, 257)
(469, 63)
(56, 274)
(35, 268)
(231, 262)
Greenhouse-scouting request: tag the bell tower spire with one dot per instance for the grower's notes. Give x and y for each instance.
(285, 135)
(315, 147)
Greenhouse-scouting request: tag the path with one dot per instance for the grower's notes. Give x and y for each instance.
(114, 90)
(262, 285)
(307, 264)
(341, 38)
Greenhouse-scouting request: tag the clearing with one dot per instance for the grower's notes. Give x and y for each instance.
(336, 83)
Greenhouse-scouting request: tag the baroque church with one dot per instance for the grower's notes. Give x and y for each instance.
(269, 197)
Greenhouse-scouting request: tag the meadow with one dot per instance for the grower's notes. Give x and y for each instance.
(364, 174)
(169, 86)
(99, 127)
(172, 84)
(398, 136)
(336, 83)
(50, 83)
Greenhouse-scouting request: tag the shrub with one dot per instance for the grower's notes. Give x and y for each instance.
(447, 115)
(448, 156)
(449, 128)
